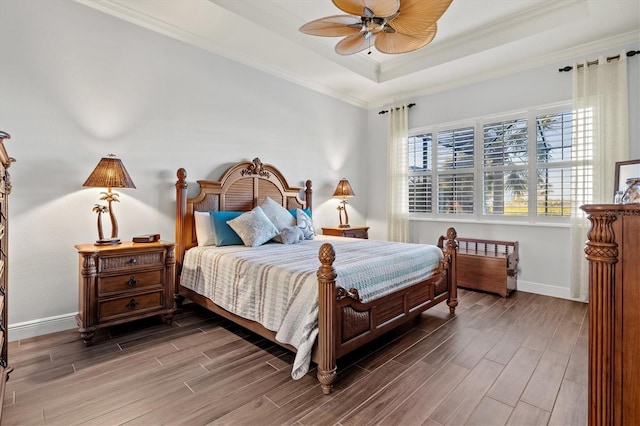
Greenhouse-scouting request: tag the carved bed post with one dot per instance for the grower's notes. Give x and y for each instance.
(181, 211)
(326, 318)
(308, 195)
(452, 279)
(602, 253)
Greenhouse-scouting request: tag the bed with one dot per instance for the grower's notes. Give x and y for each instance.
(336, 314)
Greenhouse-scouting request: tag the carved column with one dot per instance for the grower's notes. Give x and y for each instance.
(181, 212)
(308, 195)
(452, 250)
(326, 318)
(602, 253)
(87, 316)
(170, 277)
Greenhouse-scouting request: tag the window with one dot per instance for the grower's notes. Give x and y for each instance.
(554, 133)
(455, 171)
(514, 167)
(504, 172)
(420, 177)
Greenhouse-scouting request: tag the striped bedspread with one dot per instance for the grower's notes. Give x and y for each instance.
(276, 285)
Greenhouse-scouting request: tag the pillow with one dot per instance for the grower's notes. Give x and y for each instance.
(304, 222)
(204, 229)
(278, 215)
(291, 235)
(254, 227)
(223, 234)
(294, 212)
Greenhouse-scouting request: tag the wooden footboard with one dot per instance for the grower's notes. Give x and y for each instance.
(345, 324)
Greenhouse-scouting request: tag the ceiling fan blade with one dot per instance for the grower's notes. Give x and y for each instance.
(381, 8)
(416, 16)
(354, 43)
(333, 26)
(390, 42)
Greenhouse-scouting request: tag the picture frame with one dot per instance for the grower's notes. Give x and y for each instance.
(624, 170)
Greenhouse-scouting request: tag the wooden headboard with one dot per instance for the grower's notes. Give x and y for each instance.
(240, 188)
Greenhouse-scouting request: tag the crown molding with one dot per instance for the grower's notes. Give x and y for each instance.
(547, 15)
(592, 48)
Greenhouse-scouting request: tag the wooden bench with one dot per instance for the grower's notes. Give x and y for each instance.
(487, 265)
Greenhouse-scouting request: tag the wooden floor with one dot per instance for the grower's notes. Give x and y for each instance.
(520, 360)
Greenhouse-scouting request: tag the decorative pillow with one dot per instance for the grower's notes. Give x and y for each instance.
(254, 227)
(291, 235)
(306, 224)
(294, 212)
(204, 229)
(223, 234)
(278, 215)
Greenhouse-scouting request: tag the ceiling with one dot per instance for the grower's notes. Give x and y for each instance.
(476, 40)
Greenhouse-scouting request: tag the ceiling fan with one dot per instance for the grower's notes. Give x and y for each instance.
(392, 26)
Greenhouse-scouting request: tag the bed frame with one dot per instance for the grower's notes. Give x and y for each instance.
(344, 323)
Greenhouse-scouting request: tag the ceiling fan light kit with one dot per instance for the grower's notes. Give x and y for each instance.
(392, 26)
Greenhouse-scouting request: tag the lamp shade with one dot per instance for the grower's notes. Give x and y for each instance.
(109, 173)
(344, 190)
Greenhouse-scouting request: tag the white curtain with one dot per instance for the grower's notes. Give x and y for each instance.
(397, 176)
(601, 137)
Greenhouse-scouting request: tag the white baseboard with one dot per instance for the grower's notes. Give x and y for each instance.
(41, 326)
(546, 290)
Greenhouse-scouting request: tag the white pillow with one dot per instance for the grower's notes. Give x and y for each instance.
(204, 229)
(253, 227)
(305, 223)
(278, 215)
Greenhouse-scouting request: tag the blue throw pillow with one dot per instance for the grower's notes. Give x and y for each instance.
(294, 212)
(305, 224)
(224, 235)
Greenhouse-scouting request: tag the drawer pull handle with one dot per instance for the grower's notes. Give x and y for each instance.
(133, 261)
(131, 305)
(132, 281)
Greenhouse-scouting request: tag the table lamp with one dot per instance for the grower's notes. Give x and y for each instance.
(343, 191)
(109, 173)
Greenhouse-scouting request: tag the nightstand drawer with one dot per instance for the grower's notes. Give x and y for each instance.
(131, 261)
(351, 232)
(355, 233)
(129, 282)
(126, 305)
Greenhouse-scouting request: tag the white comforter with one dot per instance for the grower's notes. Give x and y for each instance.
(276, 285)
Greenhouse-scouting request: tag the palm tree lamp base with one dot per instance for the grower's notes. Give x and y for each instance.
(108, 242)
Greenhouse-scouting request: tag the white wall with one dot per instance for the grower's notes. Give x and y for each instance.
(77, 84)
(544, 250)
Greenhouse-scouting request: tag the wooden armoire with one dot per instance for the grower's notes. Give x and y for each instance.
(5, 189)
(612, 250)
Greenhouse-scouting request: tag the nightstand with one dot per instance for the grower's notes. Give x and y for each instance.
(124, 282)
(353, 232)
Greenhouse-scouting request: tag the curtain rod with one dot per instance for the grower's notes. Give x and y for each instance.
(384, 111)
(609, 58)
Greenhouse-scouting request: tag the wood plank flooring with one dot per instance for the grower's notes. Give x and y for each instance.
(518, 361)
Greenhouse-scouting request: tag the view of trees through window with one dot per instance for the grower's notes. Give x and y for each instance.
(512, 167)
